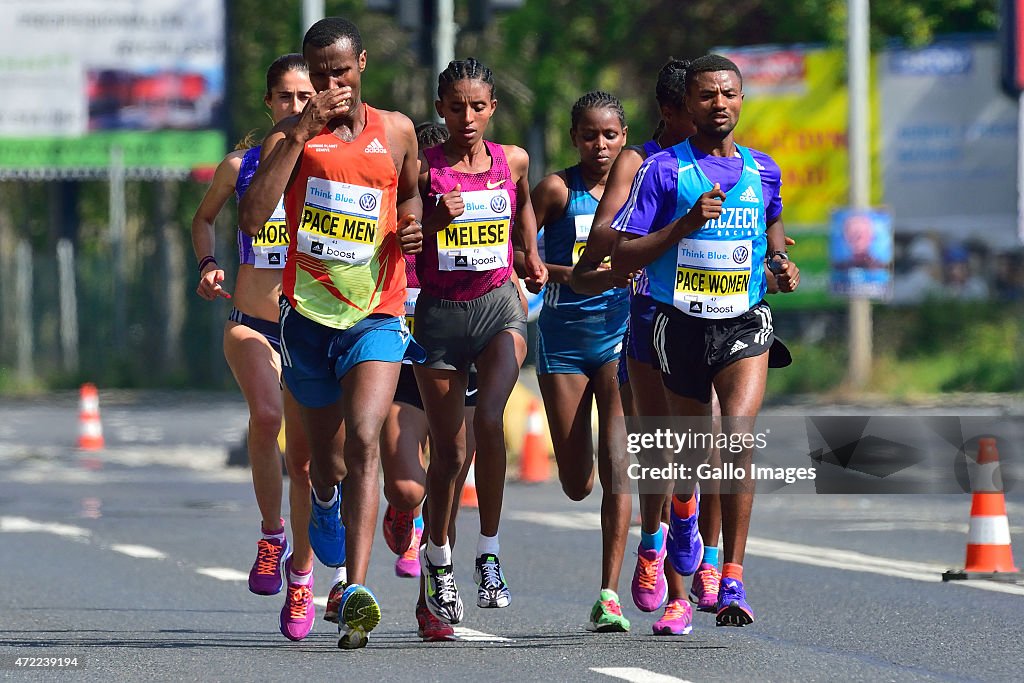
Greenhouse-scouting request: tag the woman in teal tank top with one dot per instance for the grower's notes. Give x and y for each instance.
(580, 338)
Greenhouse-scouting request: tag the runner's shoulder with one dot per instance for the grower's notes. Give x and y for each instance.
(765, 164)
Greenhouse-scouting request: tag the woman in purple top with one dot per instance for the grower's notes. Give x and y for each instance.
(252, 351)
(476, 198)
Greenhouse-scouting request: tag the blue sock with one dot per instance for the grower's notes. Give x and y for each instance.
(418, 522)
(711, 555)
(652, 541)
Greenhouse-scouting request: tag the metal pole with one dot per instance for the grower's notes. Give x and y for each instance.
(23, 303)
(312, 12)
(444, 40)
(117, 230)
(68, 304)
(1020, 163)
(858, 58)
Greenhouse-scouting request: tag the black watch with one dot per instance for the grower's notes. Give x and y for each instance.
(776, 266)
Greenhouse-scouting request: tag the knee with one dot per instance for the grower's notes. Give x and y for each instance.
(576, 491)
(265, 421)
(488, 424)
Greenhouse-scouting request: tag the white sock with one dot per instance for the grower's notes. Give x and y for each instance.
(439, 556)
(487, 545)
(340, 574)
(329, 504)
(300, 579)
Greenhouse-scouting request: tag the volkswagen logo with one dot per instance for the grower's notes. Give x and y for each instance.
(368, 202)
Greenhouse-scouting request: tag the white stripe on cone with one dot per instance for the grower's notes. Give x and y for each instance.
(988, 531)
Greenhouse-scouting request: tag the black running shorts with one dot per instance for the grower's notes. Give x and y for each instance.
(691, 351)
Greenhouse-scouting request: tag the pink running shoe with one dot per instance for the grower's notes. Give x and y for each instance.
(397, 527)
(649, 586)
(677, 620)
(298, 612)
(430, 628)
(408, 563)
(267, 574)
(704, 589)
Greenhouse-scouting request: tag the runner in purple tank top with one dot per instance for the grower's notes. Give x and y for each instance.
(251, 347)
(476, 198)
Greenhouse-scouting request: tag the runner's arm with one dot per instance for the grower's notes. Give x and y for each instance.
(524, 232)
(203, 237)
(549, 200)
(588, 277)
(410, 205)
(279, 158)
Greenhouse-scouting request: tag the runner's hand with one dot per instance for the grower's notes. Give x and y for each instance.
(788, 277)
(410, 234)
(209, 284)
(536, 272)
(450, 205)
(707, 207)
(321, 108)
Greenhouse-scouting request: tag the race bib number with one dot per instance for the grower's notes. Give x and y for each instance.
(411, 294)
(478, 239)
(339, 221)
(583, 225)
(713, 278)
(270, 245)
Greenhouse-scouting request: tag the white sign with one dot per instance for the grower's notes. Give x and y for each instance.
(949, 148)
(73, 66)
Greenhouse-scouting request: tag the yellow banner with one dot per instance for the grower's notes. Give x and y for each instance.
(795, 110)
(475, 234)
(339, 226)
(272, 234)
(712, 282)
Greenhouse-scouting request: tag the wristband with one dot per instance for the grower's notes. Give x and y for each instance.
(206, 260)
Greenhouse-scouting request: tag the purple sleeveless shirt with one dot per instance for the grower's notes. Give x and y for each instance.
(246, 171)
(474, 238)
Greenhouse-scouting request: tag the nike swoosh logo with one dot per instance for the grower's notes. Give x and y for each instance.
(470, 393)
(495, 186)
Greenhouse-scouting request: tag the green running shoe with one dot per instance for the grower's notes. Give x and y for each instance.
(606, 615)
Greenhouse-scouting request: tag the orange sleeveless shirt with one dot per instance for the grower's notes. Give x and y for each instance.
(344, 261)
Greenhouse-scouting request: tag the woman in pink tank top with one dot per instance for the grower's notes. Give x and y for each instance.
(478, 222)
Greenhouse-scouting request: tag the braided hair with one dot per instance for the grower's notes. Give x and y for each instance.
(461, 70)
(671, 87)
(597, 99)
(430, 134)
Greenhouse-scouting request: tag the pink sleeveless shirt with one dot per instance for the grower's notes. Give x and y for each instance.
(473, 255)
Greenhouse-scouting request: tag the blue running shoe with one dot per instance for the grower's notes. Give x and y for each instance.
(327, 533)
(733, 609)
(684, 544)
(359, 614)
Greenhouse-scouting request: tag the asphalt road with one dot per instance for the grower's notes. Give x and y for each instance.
(134, 560)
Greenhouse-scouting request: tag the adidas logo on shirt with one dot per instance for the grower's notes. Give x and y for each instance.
(749, 195)
(738, 346)
(375, 147)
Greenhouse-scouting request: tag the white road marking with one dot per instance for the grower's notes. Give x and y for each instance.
(24, 525)
(636, 674)
(818, 556)
(140, 551)
(472, 636)
(223, 573)
(461, 633)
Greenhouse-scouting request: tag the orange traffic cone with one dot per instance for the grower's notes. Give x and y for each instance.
(988, 536)
(534, 466)
(468, 498)
(90, 429)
